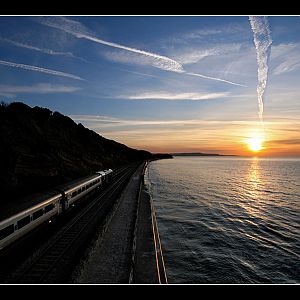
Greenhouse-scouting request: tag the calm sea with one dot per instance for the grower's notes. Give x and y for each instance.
(228, 219)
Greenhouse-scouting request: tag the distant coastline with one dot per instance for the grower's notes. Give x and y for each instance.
(199, 154)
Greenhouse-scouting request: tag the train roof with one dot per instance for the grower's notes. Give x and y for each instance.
(12, 208)
(17, 206)
(72, 184)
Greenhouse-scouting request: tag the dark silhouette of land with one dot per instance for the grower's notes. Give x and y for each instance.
(41, 149)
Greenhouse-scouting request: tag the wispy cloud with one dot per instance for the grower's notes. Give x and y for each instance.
(225, 33)
(78, 30)
(287, 58)
(192, 55)
(38, 69)
(175, 96)
(106, 121)
(43, 50)
(41, 88)
(262, 41)
(183, 134)
(156, 60)
(287, 141)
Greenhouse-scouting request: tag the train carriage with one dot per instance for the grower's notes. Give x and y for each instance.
(18, 225)
(47, 207)
(73, 192)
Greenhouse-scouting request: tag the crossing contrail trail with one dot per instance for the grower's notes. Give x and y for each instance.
(262, 41)
(159, 61)
(78, 30)
(39, 69)
(43, 50)
(217, 79)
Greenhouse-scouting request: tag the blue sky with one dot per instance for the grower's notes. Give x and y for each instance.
(156, 83)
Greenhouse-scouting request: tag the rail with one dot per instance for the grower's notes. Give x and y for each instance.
(41, 267)
(160, 264)
(159, 260)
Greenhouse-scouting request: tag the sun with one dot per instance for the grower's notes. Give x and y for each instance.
(255, 144)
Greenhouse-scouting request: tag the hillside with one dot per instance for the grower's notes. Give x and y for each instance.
(40, 149)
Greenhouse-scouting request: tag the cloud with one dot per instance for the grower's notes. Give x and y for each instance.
(105, 121)
(78, 30)
(192, 55)
(132, 58)
(39, 69)
(41, 88)
(286, 57)
(43, 50)
(175, 96)
(286, 141)
(262, 41)
(156, 60)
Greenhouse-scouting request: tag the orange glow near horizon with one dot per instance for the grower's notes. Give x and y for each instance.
(255, 141)
(255, 144)
(228, 138)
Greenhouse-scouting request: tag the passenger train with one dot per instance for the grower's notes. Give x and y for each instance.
(56, 203)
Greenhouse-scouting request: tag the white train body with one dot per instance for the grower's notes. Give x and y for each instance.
(23, 222)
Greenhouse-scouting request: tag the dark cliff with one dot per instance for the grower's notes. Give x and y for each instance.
(40, 149)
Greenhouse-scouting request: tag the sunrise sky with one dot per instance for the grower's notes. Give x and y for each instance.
(163, 84)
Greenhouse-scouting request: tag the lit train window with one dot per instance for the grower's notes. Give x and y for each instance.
(37, 214)
(23, 222)
(5, 232)
(49, 208)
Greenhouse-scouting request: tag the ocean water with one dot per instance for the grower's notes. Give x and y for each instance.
(228, 219)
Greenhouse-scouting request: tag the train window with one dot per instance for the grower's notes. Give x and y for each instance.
(23, 222)
(37, 214)
(5, 232)
(74, 194)
(49, 208)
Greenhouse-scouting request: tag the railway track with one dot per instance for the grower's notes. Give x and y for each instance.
(51, 264)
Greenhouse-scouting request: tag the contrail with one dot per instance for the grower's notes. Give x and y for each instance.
(43, 50)
(213, 78)
(78, 30)
(262, 41)
(162, 62)
(38, 69)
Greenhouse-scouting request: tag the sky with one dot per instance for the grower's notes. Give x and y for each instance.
(159, 83)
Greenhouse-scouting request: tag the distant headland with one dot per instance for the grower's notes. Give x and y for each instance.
(198, 154)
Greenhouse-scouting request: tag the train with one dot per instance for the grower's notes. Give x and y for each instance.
(57, 202)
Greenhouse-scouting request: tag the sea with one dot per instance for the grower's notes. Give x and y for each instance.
(228, 220)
